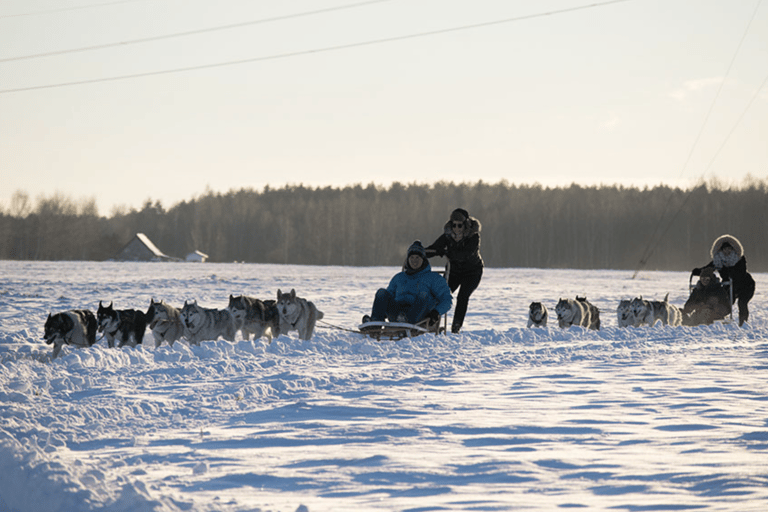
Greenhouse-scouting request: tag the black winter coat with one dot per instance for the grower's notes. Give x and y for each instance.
(464, 254)
(735, 268)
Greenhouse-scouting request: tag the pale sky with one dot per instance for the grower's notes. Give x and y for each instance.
(634, 92)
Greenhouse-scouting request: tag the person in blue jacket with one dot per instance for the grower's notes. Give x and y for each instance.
(414, 293)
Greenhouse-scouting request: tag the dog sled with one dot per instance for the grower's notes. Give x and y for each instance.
(726, 285)
(394, 330)
(383, 330)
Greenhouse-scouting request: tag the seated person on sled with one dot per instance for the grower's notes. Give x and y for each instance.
(708, 301)
(413, 294)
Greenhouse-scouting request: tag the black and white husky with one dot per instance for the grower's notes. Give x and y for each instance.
(255, 316)
(126, 326)
(165, 322)
(537, 315)
(297, 314)
(74, 327)
(206, 324)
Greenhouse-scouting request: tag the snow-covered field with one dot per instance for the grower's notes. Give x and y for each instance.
(500, 417)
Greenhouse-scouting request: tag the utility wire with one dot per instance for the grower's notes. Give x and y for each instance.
(73, 8)
(651, 245)
(690, 192)
(193, 32)
(319, 50)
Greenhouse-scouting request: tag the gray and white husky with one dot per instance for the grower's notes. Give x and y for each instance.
(537, 315)
(206, 324)
(254, 316)
(297, 314)
(165, 322)
(594, 313)
(126, 326)
(624, 313)
(648, 312)
(74, 327)
(577, 312)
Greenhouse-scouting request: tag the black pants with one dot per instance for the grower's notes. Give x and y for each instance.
(742, 295)
(467, 283)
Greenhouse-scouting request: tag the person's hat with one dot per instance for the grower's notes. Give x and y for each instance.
(417, 248)
(459, 214)
(707, 272)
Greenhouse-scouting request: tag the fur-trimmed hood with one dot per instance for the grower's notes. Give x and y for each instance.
(474, 227)
(718, 256)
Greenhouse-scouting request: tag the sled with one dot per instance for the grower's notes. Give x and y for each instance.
(725, 284)
(398, 330)
(393, 330)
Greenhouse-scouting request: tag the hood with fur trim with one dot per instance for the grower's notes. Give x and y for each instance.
(474, 227)
(719, 258)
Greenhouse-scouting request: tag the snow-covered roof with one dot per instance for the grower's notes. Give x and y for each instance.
(152, 247)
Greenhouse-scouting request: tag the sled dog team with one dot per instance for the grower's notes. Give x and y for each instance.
(194, 323)
(630, 313)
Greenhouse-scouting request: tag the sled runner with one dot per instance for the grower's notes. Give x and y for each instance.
(394, 330)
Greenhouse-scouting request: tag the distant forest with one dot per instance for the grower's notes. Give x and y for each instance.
(606, 227)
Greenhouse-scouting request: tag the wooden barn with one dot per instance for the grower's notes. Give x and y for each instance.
(141, 248)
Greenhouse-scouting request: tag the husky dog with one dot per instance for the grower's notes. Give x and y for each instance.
(577, 312)
(297, 314)
(624, 313)
(675, 315)
(165, 322)
(254, 316)
(206, 324)
(127, 326)
(74, 327)
(571, 312)
(537, 315)
(648, 312)
(594, 313)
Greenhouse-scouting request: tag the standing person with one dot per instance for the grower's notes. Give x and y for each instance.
(413, 294)
(728, 259)
(460, 243)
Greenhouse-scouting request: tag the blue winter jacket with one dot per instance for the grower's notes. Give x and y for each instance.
(406, 288)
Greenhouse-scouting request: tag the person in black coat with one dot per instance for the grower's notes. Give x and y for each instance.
(728, 259)
(460, 243)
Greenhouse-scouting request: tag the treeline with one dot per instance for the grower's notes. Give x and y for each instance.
(608, 227)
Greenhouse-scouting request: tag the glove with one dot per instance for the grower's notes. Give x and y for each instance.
(433, 316)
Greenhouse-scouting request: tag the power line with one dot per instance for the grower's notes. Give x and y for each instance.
(651, 245)
(73, 8)
(319, 50)
(690, 192)
(193, 32)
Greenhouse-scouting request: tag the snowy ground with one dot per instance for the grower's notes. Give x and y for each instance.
(500, 417)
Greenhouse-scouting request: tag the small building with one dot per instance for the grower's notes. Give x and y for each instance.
(141, 248)
(197, 256)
